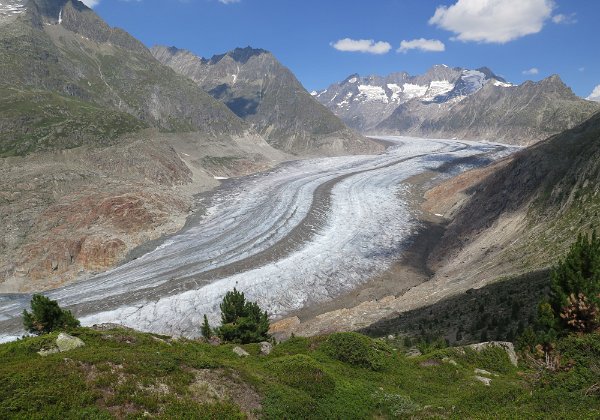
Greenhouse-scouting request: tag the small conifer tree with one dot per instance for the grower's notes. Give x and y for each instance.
(205, 329)
(46, 316)
(242, 321)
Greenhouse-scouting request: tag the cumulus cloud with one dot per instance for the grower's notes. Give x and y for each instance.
(362, 45)
(422, 44)
(493, 21)
(564, 19)
(595, 95)
(531, 71)
(90, 3)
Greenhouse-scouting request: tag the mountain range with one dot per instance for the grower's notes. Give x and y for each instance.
(455, 102)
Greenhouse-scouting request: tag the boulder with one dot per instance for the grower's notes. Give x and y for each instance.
(265, 348)
(66, 342)
(240, 351)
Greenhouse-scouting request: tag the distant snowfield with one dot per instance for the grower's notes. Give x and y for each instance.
(341, 220)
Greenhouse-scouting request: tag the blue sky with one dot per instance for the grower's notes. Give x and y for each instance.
(518, 39)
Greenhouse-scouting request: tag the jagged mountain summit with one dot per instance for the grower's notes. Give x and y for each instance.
(456, 102)
(259, 89)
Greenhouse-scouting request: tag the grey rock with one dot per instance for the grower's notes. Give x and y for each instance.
(523, 115)
(240, 351)
(66, 342)
(266, 348)
(483, 380)
(484, 372)
(47, 352)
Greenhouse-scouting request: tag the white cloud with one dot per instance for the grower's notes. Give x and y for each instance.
(595, 95)
(422, 44)
(229, 1)
(531, 71)
(90, 3)
(362, 45)
(493, 21)
(564, 19)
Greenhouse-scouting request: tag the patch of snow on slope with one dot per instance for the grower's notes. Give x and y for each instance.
(353, 80)
(414, 91)
(437, 87)
(373, 93)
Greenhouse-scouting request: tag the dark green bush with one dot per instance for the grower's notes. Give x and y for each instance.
(357, 350)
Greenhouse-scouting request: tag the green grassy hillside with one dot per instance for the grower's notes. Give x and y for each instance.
(125, 374)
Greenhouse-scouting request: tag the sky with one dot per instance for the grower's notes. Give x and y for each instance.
(324, 41)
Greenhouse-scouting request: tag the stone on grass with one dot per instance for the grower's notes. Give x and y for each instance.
(240, 351)
(483, 380)
(265, 348)
(66, 342)
(484, 372)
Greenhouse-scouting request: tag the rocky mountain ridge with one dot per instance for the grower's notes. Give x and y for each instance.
(260, 90)
(363, 102)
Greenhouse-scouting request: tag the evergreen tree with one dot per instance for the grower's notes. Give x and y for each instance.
(242, 321)
(205, 329)
(578, 274)
(46, 316)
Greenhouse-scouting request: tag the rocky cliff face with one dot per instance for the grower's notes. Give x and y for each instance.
(257, 88)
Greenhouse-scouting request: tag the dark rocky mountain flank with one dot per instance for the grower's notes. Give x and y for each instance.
(528, 210)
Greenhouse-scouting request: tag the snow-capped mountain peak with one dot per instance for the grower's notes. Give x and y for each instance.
(362, 102)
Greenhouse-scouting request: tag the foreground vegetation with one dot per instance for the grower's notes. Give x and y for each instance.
(124, 373)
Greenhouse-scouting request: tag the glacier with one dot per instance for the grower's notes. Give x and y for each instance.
(300, 234)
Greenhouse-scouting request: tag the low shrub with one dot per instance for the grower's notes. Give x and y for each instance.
(357, 350)
(304, 373)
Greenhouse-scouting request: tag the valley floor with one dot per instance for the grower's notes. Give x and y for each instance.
(297, 236)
